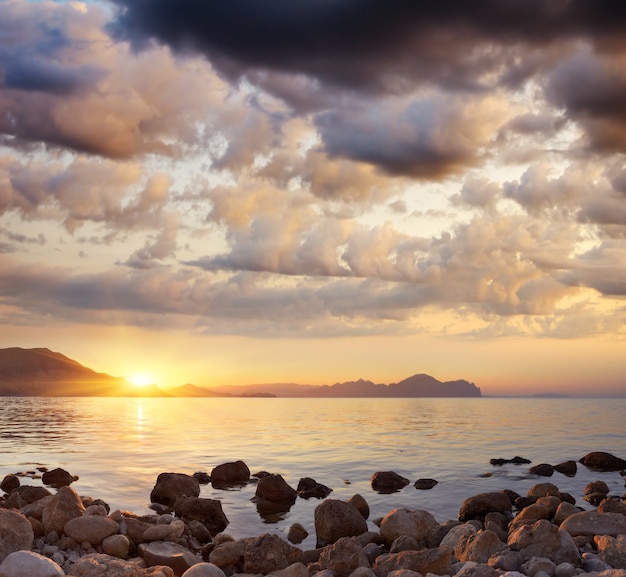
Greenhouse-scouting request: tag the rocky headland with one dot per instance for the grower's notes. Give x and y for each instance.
(48, 530)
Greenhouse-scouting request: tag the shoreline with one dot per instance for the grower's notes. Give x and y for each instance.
(495, 533)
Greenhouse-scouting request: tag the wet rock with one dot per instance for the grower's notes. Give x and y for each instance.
(230, 473)
(594, 523)
(297, 533)
(388, 482)
(567, 468)
(267, 553)
(9, 483)
(414, 523)
(202, 477)
(543, 470)
(310, 488)
(171, 486)
(16, 533)
(60, 509)
(425, 561)
(204, 570)
(335, 519)
(29, 564)
(343, 557)
(172, 555)
(90, 528)
(542, 490)
(360, 504)
(478, 506)
(275, 489)
(57, 478)
(601, 461)
(425, 484)
(515, 460)
(207, 511)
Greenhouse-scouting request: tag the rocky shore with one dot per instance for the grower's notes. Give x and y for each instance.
(54, 532)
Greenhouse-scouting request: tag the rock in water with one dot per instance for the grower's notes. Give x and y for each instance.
(170, 486)
(388, 481)
(230, 473)
(600, 461)
(335, 519)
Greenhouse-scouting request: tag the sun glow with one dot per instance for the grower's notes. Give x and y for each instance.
(141, 380)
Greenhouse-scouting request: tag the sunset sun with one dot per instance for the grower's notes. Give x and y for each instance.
(141, 379)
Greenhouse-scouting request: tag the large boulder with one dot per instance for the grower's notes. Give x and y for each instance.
(478, 506)
(592, 523)
(388, 481)
(268, 553)
(207, 511)
(343, 557)
(600, 461)
(478, 547)
(171, 486)
(230, 474)
(425, 561)
(90, 529)
(16, 533)
(612, 550)
(335, 519)
(29, 564)
(60, 509)
(413, 523)
(540, 539)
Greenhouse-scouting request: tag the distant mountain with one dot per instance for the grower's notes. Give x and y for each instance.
(190, 390)
(44, 373)
(415, 386)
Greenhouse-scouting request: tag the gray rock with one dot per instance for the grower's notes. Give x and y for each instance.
(116, 546)
(478, 547)
(458, 533)
(593, 564)
(343, 557)
(16, 533)
(413, 523)
(363, 572)
(506, 560)
(594, 523)
(565, 570)
(563, 511)
(90, 528)
(293, 570)
(567, 551)
(267, 553)
(472, 569)
(612, 550)
(60, 509)
(204, 570)
(172, 555)
(171, 486)
(29, 564)
(538, 564)
(424, 561)
(335, 519)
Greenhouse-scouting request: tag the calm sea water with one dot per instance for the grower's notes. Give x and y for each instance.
(119, 446)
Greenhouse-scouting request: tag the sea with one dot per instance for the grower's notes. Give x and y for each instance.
(118, 446)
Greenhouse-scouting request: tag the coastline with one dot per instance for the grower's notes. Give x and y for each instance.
(495, 533)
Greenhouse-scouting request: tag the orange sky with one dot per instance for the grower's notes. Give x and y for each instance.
(332, 195)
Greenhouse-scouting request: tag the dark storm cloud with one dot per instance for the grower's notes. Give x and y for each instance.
(357, 42)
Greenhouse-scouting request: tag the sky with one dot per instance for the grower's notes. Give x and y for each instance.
(318, 191)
